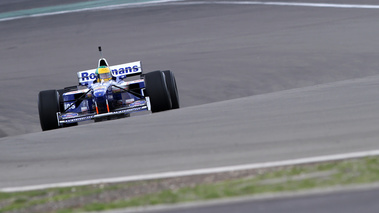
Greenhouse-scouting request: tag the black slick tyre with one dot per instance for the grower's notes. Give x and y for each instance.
(172, 89)
(48, 106)
(156, 89)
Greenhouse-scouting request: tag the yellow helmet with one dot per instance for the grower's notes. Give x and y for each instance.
(103, 73)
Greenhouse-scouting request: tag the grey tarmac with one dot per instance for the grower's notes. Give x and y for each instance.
(266, 56)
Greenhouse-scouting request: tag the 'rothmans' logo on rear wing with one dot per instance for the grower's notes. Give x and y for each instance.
(121, 71)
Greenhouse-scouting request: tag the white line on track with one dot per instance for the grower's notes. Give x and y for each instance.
(197, 171)
(298, 4)
(108, 7)
(182, 2)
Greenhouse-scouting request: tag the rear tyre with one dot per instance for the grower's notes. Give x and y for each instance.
(48, 106)
(172, 89)
(156, 89)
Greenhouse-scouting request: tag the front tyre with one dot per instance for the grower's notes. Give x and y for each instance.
(172, 89)
(156, 89)
(48, 106)
(61, 104)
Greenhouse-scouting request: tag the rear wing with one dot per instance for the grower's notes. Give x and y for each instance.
(120, 71)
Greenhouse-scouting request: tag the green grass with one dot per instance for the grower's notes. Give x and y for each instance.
(170, 191)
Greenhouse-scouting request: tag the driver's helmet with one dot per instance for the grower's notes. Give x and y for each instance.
(103, 73)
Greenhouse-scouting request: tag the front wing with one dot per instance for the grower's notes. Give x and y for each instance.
(75, 117)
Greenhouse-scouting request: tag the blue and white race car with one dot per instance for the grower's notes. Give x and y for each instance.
(103, 94)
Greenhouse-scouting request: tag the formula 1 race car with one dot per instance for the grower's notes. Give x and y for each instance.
(103, 94)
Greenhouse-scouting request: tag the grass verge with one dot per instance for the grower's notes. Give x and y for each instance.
(193, 188)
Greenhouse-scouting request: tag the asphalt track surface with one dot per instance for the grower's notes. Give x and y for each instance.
(218, 53)
(340, 202)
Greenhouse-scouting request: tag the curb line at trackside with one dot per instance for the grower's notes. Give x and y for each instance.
(175, 174)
